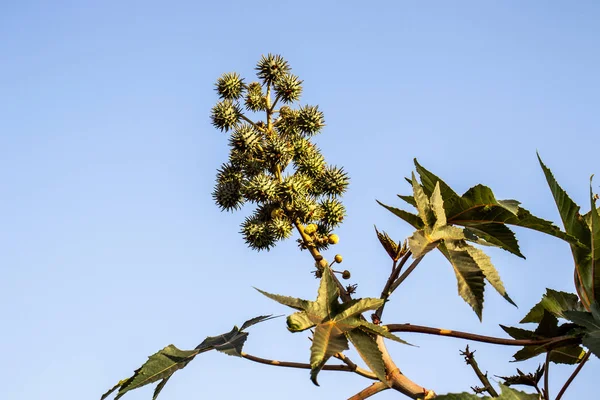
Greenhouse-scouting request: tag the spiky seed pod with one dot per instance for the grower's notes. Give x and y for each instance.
(261, 188)
(305, 209)
(271, 68)
(277, 152)
(308, 159)
(310, 120)
(230, 86)
(227, 193)
(334, 181)
(333, 212)
(225, 115)
(286, 123)
(264, 212)
(255, 99)
(282, 228)
(258, 235)
(245, 139)
(289, 88)
(295, 186)
(250, 165)
(320, 238)
(228, 196)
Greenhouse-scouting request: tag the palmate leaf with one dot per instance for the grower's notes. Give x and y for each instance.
(368, 350)
(334, 324)
(479, 206)
(506, 394)
(554, 302)
(591, 322)
(548, 328)
(576, 226)
(469, 276)
(594, 225)
(393, 249)
(163, 364)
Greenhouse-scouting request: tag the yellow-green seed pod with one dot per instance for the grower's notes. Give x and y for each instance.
(333, 239)
(338, 258)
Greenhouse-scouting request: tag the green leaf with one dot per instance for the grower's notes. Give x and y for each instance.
(412, 219)
(163, 364)
(576, 227)
(594, 225)
(469, 276)
(328, 340)
(409, 199)
(380, 330)
(423, 207)
(556, 303)
(591, 321)
(159, 366)
(437, 206)
(367, 348)
(491, 274)
(332, 320)
(507, 394)
(547, 328)
(420, 244)
(429, 180)
(495, 234)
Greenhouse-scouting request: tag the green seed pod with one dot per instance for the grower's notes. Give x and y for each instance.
(288, 88)
(261, 188)
(282, 228)
(230, 86)
(334, 181)
(277, 152)
(271, 68)
(258, 235)
(246, 140)
(310, 120)
(225, 115)
(333, 212)
(255, 99)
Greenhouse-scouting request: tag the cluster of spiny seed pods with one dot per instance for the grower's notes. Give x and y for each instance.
(272, 162)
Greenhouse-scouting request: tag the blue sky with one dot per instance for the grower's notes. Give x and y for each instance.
(112, 248)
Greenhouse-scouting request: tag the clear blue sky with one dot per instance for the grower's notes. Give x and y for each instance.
(111, 247)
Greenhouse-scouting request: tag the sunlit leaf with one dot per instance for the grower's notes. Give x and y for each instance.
(554, 302)
(367, 348)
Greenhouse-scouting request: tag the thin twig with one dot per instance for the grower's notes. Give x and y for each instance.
(546, 376)
(406, 273)
(573, 375)
(370, 391)
(470, 360)
(291, 364)
(386, 292)
(360, 371)
(549, 342)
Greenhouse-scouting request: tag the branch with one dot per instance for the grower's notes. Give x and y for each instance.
(387, 291)
(290, 364)
(406, 273)
(573, 375)
(360, 371)
(549, 342)
(370, 391)
(546, 375)
(470, 360)
(396, 378)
